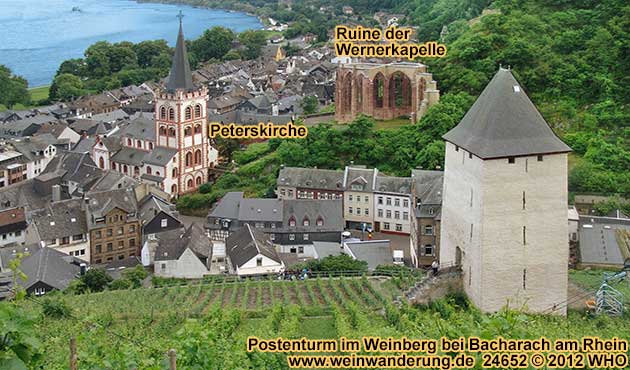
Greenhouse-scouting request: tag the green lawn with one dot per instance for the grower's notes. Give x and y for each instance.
(37, 94)
(592, 279)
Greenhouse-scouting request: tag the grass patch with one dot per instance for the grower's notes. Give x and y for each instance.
(37, 95)
(392, 124)
(592, 280)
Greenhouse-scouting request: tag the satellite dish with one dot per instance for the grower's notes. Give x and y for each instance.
(346, 234)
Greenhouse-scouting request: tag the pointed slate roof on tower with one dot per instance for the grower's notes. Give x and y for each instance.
(503, 122)
(180, 76)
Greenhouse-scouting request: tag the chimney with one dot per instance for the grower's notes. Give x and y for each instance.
(56, 193)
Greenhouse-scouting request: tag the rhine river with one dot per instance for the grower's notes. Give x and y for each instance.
(36, 36)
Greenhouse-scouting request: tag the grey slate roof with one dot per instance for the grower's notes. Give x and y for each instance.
(428, 186)
(325, 249)
(113, 180)
(311, 178)
(142, 127)
(391, 184)
(60, 219)
(599, 244)
(247, 243)
(228, 206)
(194, 238)
(362, 176)
(131, 156)
(180, 76)
(84, 145)
(374, 252)
(8, 253)
(330, 211)
(51, 267)
(503, 122)
(102, 202)
(160, 156)
(260, 209)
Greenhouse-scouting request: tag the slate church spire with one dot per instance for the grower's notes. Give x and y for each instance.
(180, 76)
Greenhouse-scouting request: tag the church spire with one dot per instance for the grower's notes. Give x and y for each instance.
(180, 76)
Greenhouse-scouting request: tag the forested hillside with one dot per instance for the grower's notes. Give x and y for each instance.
(573, 58)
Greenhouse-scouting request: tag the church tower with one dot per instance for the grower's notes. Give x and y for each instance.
(181, 124)
(504, 212)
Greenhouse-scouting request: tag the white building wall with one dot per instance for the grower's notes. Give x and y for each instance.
(401, 209)
(358, 201)
(498, 267)
(17, 237)
(530, 271)
(188, 266)
(269, 266)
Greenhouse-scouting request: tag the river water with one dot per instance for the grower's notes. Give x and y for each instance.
(36, 36)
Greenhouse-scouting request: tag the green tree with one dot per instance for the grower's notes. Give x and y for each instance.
(13, 89)
(309, 104)
(66, 87)
(213, 44)
(136, 275)
(96, 280)
(253, 42)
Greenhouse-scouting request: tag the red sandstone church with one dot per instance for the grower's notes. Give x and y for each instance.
(384, 91)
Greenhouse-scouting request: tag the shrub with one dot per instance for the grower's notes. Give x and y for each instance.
(56, 308)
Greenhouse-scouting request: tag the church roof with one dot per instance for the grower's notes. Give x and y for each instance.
(180, 76)
(503, 122)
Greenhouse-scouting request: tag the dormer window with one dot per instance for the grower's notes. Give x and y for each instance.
(320, 221)
(292, 222)
(306, 222)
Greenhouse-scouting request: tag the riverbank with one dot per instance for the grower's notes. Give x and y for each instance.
(227, 5)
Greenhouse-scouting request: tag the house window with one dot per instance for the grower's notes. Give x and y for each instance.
(121, 230)
(291, 236)
(197, 111)
(511, 160)
(273, 225)
(386, 225)
(121, 244)
(366, 199)
(540, 158)
(64, 240)
(164, 222)
(98, 248)
(188, 113)
(305, 236)
(398, 227)
(109, 232)
(39, 291)
(389, 214)
(306, 222)
(77, 237)
(428, 230)
(397, 202)
(406, 203)
(350, 210)
(350, 197)
(389, 201)
(367, 212)
(132, 228)
(259, 225)
(427, 250)
(300, 249)
(163, 265)
(293, 250)
(292, 222)
(320, 222)
(380, 200)
(110, 247)
(197, 129)
(272, 236)
(380, 213)
(132, 242)
(259, 262)
(358, 211)
(397, 215)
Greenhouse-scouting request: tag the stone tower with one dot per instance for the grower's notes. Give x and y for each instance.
(504, 212)
(181, 123)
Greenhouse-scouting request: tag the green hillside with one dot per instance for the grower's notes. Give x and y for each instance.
(208, 324)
